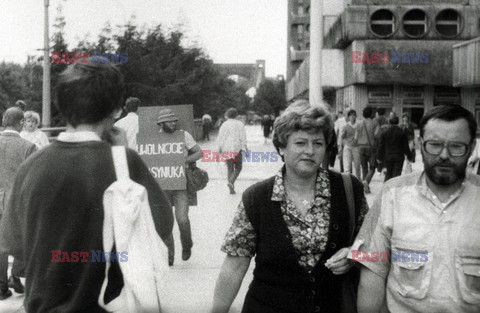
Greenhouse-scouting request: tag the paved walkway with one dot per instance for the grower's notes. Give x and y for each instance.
(189, 285)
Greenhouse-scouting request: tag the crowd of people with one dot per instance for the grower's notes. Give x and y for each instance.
(374, 143)
(315, 242)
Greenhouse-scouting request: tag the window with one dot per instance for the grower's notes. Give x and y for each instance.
(446, 95)
(380, 94)
(300, 10)
(300, 31)
(412, 96)
(383, 23)
(415, 23)
(448, 23)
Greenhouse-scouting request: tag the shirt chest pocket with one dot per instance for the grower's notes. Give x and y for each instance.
(411, 268)
(467, 267)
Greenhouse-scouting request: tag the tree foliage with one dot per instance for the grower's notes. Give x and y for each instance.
(270, 97)
(159, 71)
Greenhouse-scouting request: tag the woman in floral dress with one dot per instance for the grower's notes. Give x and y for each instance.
(296, 224)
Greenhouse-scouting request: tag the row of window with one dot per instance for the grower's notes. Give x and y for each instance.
(416, 23)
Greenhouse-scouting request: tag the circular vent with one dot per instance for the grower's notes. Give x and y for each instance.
(383, 23)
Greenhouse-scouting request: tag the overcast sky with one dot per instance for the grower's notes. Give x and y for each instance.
(229, 31)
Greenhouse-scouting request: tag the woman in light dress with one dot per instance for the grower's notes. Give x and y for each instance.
(31, 132)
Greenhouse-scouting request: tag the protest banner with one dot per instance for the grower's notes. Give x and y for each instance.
(163, 153)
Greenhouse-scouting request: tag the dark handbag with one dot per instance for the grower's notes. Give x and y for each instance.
(197, 178)
(351, 279)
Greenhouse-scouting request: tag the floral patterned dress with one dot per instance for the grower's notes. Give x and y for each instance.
(309, 232)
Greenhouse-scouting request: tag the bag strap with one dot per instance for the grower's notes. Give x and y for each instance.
(119, 154)
(347, 183)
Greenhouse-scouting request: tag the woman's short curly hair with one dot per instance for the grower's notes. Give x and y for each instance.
(32, 115)
(301, 115)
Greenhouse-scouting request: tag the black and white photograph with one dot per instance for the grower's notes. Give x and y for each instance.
(252, 156)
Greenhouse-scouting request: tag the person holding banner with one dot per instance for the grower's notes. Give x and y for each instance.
(179, 198)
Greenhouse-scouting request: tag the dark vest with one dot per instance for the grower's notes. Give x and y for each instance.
(280, 282)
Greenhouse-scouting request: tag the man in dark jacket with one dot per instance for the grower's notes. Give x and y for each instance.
(13, 151)
(392, 149)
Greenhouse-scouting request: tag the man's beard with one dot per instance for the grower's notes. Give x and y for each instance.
(445, 179)
(169, 130)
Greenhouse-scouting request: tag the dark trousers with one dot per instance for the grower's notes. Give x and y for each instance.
(179, 199)
(394, 168)
(206, 131)
(234, 167)
(18, 270)
(340, 158)
(368, 162)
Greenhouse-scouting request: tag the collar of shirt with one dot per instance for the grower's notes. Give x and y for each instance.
(322, 185)
(81, 136)
(422, 186)
(11, 131)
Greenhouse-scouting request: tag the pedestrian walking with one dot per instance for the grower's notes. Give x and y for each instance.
(207, 126)
(427, 222)
(474, 160)
(295, 224)
(349, 142)
(392, 149)
(380, 118)
(232, 142)
(31, 132)
(367, 147)
(129, 123)
(57, 206)
(409, 130)
(167, 120)
(267, 126)
(14, 150)
(339, 124)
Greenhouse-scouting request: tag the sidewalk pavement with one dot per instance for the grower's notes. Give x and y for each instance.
(189, 286)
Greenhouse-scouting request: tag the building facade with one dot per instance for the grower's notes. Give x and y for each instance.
(398, 55)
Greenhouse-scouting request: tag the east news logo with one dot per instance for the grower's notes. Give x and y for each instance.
(395, 57)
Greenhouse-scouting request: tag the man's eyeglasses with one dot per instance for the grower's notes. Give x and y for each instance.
(455, 149)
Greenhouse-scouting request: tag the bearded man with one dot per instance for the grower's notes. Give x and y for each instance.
(167, 121)
(430, 224)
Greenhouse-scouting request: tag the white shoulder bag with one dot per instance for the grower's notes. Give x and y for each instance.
(128, 224)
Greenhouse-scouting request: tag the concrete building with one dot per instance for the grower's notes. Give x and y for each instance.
(397, 55)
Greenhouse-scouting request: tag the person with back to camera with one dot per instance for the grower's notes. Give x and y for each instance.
(295, 223)
(57, 203)
(129, 123)
(267, 125)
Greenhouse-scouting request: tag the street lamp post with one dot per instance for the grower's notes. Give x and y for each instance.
(316, 45)
(46, 72)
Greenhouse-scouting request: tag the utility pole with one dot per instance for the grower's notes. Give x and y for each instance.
(316, 45)
(46, 72)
